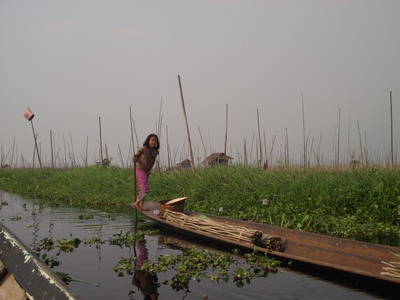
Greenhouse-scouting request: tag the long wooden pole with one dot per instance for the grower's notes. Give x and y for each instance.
(338, 141)
(12, 154)
(304, 134)
(287, 148)
(37, 149)
(187, 124)
(259, 138)
(87, 146)
(226, 129)
(101, 143)
(168, 150)
(51, 150)
(134, 169)
(202, 142)
(244, 152)
(360, 138)
(391, 130)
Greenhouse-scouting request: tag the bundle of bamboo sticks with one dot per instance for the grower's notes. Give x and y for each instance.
(227, 231)
(393, 268)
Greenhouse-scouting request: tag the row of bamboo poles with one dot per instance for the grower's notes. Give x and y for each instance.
(310, 156)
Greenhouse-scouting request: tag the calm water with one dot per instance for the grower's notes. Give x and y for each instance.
(93, 265)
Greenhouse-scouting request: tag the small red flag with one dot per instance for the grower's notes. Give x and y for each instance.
(28, 114)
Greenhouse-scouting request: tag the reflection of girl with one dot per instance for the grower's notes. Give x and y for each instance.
(146, 282)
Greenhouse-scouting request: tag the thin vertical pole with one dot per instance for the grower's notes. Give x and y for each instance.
(12, 154)
(304, 134)
(168, 149)
(87, 146)
(338, 141)
(361, 149)
(37, 149)
(391, 130)
(287, 148)
(187, 125)
(1, 157)
(134, 170)
(244, 152)
(101, 143)
(259, 138)
(226, 129)
(202, 142)
(51, 148)
(73, 160)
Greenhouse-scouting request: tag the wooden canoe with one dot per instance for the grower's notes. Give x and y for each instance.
(24, 276)
(367, 261)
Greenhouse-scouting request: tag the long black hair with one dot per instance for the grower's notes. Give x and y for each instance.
(146, 142)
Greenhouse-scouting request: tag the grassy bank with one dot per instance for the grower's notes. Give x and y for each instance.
(361, 204)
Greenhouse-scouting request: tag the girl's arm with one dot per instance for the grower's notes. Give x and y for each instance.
(136, 156)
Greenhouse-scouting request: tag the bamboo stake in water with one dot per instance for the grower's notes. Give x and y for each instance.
(287, 148)
(244, 153)
(226, 130)
(187, 125)
(272, 148)
(101, 143)
(86, 153)
(202, 142)
(37, 149)
(73, 151)
(168, 149)
(265, 165)
(338, 141)
(391, 131)
(304, 134)
(54, 149)
(134, 169)
(12, 154)
(51, 150)
(65, 152)
(361, 148)
(259, 138)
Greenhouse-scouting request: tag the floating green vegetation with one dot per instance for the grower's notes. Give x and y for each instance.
(191, 265)
(194, 265)
(362, 204)
(45, 245)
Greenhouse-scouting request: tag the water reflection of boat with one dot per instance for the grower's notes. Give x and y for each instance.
(23, 276)
(378, 264)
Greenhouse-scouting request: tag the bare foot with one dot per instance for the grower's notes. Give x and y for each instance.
(137, 205)
(143, 208)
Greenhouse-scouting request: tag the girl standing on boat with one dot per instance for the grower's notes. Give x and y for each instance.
(144, 160)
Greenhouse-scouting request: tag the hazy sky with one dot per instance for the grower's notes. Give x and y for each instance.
(73, 61)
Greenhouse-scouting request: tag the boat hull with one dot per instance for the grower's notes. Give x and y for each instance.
(362, 259)
(22, 268)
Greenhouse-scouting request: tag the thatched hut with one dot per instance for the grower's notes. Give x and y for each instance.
(105, 162)
(185, 164)
(217, 159)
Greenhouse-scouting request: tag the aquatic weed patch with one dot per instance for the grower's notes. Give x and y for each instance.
(193, 265)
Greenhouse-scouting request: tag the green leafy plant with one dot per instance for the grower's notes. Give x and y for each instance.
(194, 264)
